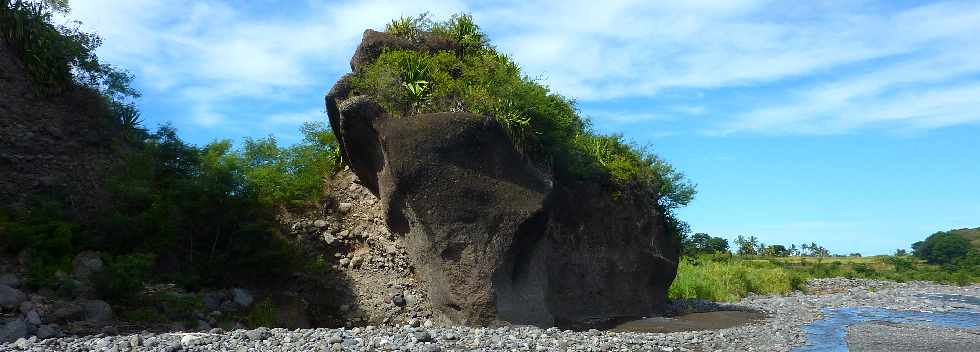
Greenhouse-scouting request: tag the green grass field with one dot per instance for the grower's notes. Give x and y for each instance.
(729, 278)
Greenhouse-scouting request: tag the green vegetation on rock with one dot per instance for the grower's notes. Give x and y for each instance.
(546, 126)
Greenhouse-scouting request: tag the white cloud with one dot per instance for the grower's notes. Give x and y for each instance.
(635, 49)
(210, 54)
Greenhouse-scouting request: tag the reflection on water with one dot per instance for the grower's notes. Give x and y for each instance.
(691, 322)
(827, 334)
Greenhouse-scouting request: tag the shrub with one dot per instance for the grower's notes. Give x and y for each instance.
(262, 314)
(47, 238)
(285, 175)
(123, 276)
(408, 27)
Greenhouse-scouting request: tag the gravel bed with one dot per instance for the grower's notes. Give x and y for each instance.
(781, 331)
(885, 337)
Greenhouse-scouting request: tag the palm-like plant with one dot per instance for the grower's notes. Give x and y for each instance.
(415, 79)
(462, 29)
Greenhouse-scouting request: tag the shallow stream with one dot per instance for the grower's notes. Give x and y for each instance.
(828, 333)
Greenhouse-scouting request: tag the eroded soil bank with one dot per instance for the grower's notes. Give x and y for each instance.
(781, 330)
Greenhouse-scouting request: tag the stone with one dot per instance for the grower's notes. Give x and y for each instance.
(97, 310)
(33, 318)
(431, 348)
(22, 343)
(12, 330)
(320, 224)
(26, 307)
(343, 208)
(203, 325)
(335, 339)
(211, 300)
(85, 264)
(110, 330)
(398, 300)
(10, 280)
(48, 331)
(374, 42)
(10, 297)
(242, 297)
(191, 340)
(258, 334)
(422, 336)
(136, 340)
(66, 312)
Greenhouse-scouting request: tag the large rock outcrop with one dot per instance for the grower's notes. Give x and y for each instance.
(495, 237)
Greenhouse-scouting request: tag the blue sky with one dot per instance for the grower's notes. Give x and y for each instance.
(855, 124)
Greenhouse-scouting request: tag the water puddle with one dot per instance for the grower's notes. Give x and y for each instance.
(691, 322)
(827, 334)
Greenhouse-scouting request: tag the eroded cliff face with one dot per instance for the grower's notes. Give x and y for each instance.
(50, 144)
(495, 237)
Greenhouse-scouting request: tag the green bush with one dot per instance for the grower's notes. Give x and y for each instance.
(288, 175)
(47, 238)
(262, 314)
(123, 276)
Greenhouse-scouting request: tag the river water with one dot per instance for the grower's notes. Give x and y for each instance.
(828, 333)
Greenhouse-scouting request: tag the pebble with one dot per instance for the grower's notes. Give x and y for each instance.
(782, 331)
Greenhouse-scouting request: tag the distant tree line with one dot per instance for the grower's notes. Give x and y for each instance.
(703, 243)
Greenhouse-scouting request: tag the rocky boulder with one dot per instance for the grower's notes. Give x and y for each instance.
(10, 280)
(10, 297)
(85, 264)
(12, 330)
(495, 237)
(374, 42)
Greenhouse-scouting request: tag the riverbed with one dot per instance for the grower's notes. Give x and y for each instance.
(841, 314)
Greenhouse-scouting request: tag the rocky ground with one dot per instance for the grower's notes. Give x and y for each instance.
(781, 331)
(877, 336)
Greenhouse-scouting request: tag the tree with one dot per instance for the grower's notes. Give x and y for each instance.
(901, 253)
(793, 250)
(779, 250)
(717, 245)
(747, 246)
(942, 248)
(704, 243)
